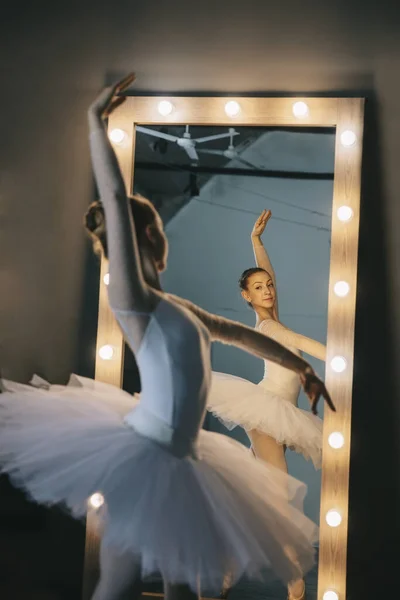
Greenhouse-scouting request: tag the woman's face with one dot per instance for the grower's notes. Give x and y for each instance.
(260, 290)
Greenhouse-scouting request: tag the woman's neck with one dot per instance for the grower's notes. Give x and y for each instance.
(263, 314)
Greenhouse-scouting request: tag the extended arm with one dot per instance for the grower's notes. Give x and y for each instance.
(260, 253)
(256, 343)
(230, 332)
(127, 289)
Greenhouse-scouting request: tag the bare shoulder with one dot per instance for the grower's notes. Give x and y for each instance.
(193, 312)
(273, 328)
(270, 325)
(185, 306)
(182, 303)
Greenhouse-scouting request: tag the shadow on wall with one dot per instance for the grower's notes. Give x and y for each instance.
(85, 354)
(41, 550)
(373, 519)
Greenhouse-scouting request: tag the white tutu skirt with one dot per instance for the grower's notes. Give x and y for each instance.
(191, 519)
(236, 401)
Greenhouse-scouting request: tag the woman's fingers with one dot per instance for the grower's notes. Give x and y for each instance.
(114, 99)
(124, 83)
(314, 406)
(328, 399)
(314, 388)
(116, 102)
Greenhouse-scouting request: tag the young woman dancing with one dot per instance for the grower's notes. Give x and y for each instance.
(268, 411)
(186, 503)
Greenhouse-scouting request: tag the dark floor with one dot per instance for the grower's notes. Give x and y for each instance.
(246, 590)
(272, 591)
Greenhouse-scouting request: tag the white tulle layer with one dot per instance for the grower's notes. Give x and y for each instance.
(189, 519)
(236, 401)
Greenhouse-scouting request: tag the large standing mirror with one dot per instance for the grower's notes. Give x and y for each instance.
(211, 166)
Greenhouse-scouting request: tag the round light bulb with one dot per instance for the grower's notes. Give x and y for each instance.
(333, 518)
(232, 108)
(96, 500)
(106, 352)
(330, 595)
(300, 110)
(338, 364)
(341, 288)
(336, 440)
(344, 213)
(117, 136)
(348, 138)
(106, 278)
(165, 108)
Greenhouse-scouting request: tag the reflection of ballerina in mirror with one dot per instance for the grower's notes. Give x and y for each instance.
(268, 411)
(187, 503)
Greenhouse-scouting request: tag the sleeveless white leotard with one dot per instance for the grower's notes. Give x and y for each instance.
(270, 406)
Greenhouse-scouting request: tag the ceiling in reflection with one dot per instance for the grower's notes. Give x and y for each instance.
(173, 163)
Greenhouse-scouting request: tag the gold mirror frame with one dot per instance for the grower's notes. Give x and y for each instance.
(346, 115)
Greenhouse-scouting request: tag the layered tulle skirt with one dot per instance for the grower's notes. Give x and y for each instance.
(236, 401)
(190, 519)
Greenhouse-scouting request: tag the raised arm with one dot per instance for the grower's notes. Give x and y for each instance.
(287, 337)
(260, 253)
(230, 332)
(127, 289)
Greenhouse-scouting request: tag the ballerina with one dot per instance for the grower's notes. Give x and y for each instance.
(180, 501)
(268, 411)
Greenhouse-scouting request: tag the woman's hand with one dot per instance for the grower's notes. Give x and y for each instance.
(109, 98)
(261, 223)
(314, 389)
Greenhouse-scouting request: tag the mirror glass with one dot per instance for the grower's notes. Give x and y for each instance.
(210, 184)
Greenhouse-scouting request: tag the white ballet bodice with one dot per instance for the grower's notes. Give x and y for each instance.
(277, 379)
(175, 371)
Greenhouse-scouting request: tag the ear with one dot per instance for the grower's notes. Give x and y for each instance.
(150, 233)
(245, 295)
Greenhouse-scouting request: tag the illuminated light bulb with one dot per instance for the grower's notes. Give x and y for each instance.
(348, 138)
(336, 440)
(96, 500)
(344, 213)
(338, 364)
(165, 108)
(106, 278)
(330, 595)
(232, 108)
(333, 518)
(300, 110)
(341, 288)
(117, 136)
(106, 352)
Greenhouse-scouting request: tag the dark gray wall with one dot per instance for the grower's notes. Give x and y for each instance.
(53, 59)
